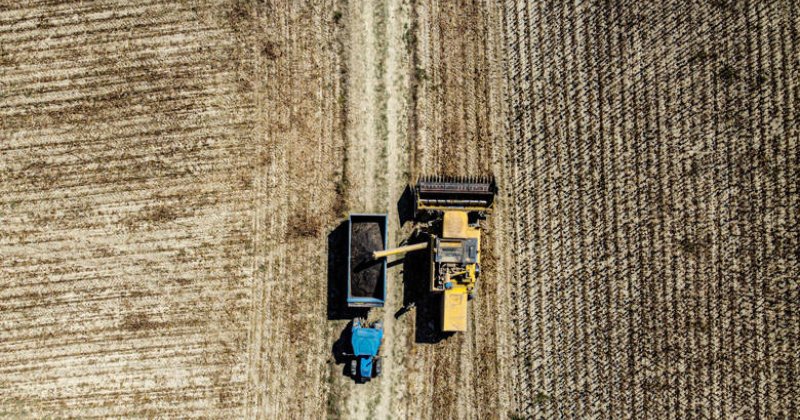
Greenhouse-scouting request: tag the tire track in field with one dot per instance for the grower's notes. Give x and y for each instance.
(396, 79)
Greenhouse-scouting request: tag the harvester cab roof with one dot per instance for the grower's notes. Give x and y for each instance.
(456, 251)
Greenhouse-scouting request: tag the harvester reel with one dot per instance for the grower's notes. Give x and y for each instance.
(433, 194)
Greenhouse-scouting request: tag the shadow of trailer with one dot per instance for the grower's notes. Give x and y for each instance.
(366, 276)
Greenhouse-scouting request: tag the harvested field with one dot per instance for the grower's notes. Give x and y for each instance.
(174, 178)
(655, 167)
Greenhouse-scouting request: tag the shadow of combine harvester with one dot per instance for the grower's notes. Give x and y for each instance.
(416, 297)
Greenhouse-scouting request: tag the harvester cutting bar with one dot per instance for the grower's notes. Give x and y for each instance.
(467, 203)
(441, 192)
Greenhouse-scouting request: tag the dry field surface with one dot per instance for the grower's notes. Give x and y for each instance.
(655, 155)
(174, 175)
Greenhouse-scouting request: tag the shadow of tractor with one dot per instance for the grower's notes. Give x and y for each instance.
(342, 351)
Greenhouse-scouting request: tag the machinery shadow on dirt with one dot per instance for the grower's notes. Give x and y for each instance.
(416, 294)
(337, 276)
(405, 206)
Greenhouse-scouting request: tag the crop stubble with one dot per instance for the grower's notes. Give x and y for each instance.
(655, 166)
(125, 225)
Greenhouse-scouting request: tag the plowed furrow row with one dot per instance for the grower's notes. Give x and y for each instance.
(650, 192)
(104, 301)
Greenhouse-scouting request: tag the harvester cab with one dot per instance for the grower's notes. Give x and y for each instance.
(454, 243)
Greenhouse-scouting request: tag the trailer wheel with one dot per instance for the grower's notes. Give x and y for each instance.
(378, 366)
(354, 367)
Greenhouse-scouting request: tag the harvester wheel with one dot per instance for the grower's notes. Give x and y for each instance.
(354, 367)
(378, 366)
(378, 325)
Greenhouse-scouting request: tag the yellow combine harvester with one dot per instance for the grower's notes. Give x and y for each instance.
(455, 243)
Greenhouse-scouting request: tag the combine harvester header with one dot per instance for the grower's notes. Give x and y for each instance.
(441, 193)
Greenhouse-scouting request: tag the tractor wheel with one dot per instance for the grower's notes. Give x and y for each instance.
(378, 366)
(354, 367)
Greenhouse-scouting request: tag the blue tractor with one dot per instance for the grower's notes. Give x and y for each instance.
(366, 341)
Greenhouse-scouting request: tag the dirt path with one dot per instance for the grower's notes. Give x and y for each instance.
(366, 107)
(366, 138)
(376, 148)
